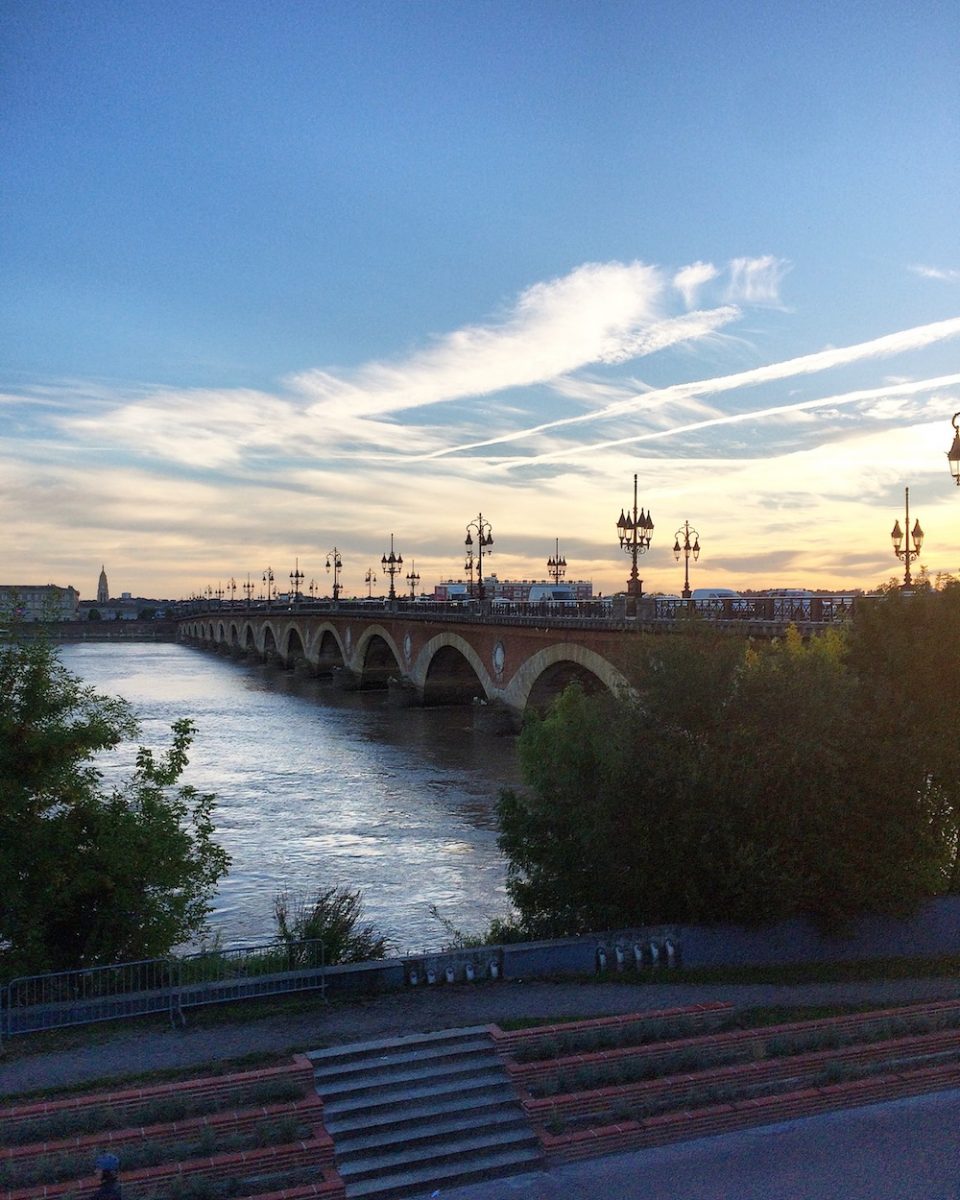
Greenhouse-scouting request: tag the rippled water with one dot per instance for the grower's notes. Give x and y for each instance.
(319, 787)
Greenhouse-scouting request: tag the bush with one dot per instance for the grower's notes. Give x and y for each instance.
(333, 917)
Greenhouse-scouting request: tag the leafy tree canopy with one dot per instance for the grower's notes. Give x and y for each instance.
(90, 875)
(748, 782)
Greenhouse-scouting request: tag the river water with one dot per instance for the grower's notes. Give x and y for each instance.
(318, 787)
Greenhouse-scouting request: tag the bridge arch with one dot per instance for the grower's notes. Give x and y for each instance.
(234, 635)
(270, 650)
(544, 675)
(326, 650)
(448, 670)
(249, 638)
(376, 658)
(294, 651)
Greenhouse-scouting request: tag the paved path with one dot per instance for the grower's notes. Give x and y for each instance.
(903, 1150)
(112, 1051)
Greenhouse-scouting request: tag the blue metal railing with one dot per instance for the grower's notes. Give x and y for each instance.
(61, 999)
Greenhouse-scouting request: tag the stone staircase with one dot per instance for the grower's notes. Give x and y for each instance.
(409, 1115)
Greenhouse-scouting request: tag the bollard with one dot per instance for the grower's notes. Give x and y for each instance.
(431, 975)
(494, 970)
(638, 955)
(619, 953)
(449, 975)
(469, 973)
(414, 977)
(654, 954)
(601, 959)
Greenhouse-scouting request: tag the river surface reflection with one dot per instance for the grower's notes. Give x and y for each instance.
(318, 787)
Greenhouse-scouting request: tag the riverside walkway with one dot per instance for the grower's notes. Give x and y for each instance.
(902, 1150)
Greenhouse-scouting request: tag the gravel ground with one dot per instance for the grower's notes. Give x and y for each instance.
(107, 1052)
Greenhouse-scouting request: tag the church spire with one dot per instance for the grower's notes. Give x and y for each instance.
(103, 589)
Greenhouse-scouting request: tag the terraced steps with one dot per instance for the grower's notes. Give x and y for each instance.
(408, 1115)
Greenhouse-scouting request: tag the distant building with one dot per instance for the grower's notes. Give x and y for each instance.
(38, 602)
(103, 589)
(517, 590)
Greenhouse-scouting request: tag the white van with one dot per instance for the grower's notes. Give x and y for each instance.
(714, 594)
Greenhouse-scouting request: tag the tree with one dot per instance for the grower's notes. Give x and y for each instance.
(738, 782)
(332, 916)
(90, 875)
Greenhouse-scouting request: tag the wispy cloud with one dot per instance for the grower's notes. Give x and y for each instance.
(916, 338)
(946, 274)
(690, 279)
(598, 313)
(756, 280)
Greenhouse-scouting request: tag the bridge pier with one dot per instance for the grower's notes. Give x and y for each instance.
(403, 693)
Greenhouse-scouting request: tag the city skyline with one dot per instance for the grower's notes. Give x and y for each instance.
(282, 279)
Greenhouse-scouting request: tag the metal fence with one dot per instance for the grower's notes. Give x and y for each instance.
(160, 985)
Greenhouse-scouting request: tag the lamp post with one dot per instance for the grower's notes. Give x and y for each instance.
(484, 532)
(209, 595)
(336, 562)
(907, 554)
(391, 564)
(413, 579)
(634, 534)
(248, 589)
(557, 566)
(232, 589)
(686, 550)
(219, 595)
(953, 454)
(268, 578)
(369, 579)
(468, 566)
(312, 588)
(296, 578)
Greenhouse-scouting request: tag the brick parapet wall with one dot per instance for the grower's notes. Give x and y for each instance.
(299, 1069)
(673, 1127)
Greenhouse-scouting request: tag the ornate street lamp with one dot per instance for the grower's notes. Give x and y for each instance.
(219, 595)
(484, 532)
(369, 579)
(232, 589)
(413, 579)
(469, 566)
(296, 579)
(336, 562)
(312, 588)
(391, 564)
(907, 554)
(557, 566)
(209, 594)
(686, 550)
(268, 578)
(634, 534)
(248, 589)
(953, 454)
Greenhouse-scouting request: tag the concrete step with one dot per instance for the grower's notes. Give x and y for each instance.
(373, 1093)
(408, 1115)
(417, 1132)
(413, 1114)
(377, 1046)
(461, 1149)
(429, 1177)
(430, 1058)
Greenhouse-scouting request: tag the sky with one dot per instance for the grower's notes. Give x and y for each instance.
(280, 277)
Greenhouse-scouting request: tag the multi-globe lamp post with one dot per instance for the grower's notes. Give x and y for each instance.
(413, 580)
(556, 565)
(902, 548)
(953, 454)
(268, 579)
(635, 534)
(484, 532)
(335, 563)
(370, 579)
(391, 564)
(296, 580)
(686, 548)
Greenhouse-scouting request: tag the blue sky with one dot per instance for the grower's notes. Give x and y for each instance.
(284, 276)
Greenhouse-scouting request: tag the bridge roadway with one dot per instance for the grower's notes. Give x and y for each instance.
(506, 659)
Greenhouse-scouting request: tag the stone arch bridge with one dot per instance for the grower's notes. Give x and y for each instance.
(507, 661)
(425, 659)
